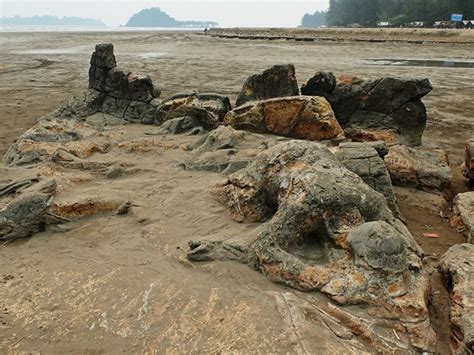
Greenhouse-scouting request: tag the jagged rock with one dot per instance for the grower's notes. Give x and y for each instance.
(24, 216)
(329, 231)
(14, 180)
(457, 267)
(82, 106)
(424, 170)
(278, 81)
(366, 160)
(389, 108)
(468, 166)
(132, 87)
(463, 214)
(319, 85)
(301, 117)
(114, 91)
(102, 60)
(185, 103)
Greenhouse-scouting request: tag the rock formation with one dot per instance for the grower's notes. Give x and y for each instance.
(278, 81)
(301, 117)
(328, 231)
(463, 214)
(424, 170)
(328, 217)
(457, 267)
(117, 92)
(387, 108)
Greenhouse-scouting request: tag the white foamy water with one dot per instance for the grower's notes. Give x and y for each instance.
(92, 29)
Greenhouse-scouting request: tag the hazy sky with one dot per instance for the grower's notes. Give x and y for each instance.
(228, 13)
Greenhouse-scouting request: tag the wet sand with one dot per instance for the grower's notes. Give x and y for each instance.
(126, 287)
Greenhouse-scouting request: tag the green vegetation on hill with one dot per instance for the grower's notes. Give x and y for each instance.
(47, 20)
(155, 17)
(397, 12)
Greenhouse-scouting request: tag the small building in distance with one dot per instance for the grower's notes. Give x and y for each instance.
(384, 24)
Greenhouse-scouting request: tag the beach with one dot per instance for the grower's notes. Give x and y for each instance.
(126, 286)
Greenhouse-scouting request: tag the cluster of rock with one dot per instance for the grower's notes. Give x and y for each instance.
(316, 169)
(388, 107)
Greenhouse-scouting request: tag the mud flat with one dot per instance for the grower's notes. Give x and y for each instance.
(108, 283)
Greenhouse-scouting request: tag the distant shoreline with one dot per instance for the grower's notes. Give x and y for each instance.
(56, 28)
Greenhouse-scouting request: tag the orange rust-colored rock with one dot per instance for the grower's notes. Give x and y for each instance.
(300, 117)
(84, 209)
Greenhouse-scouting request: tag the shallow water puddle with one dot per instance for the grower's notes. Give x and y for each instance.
(421, 63)
(153, 55)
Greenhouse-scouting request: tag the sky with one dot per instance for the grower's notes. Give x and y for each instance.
(228, 13)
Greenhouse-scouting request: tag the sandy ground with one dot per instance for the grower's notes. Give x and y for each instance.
(111, 291)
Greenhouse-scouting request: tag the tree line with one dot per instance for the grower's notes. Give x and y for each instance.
(397, 12)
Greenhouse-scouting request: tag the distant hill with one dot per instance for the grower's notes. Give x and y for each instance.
(154, 17)
(317, 19)
(47, 20)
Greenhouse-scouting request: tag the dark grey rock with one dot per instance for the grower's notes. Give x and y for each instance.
(278, 81)
(24, 216)
(379, 246)
(364, 160)
(380, 106)
(320, 84)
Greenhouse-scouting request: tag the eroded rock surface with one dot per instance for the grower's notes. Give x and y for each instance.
(389, 109)
(366, 160)
(328, 231)
(463, 214)
(457, 267)
(301, 117)
(278, 81)
(226, 150)
(425, 170)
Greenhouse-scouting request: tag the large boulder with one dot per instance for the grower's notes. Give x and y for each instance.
(468, 166)
(457, 267)
(301, 117)
(326, 231)
(424, 170)
(463, 214)
(387, 108)
(278, 81)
